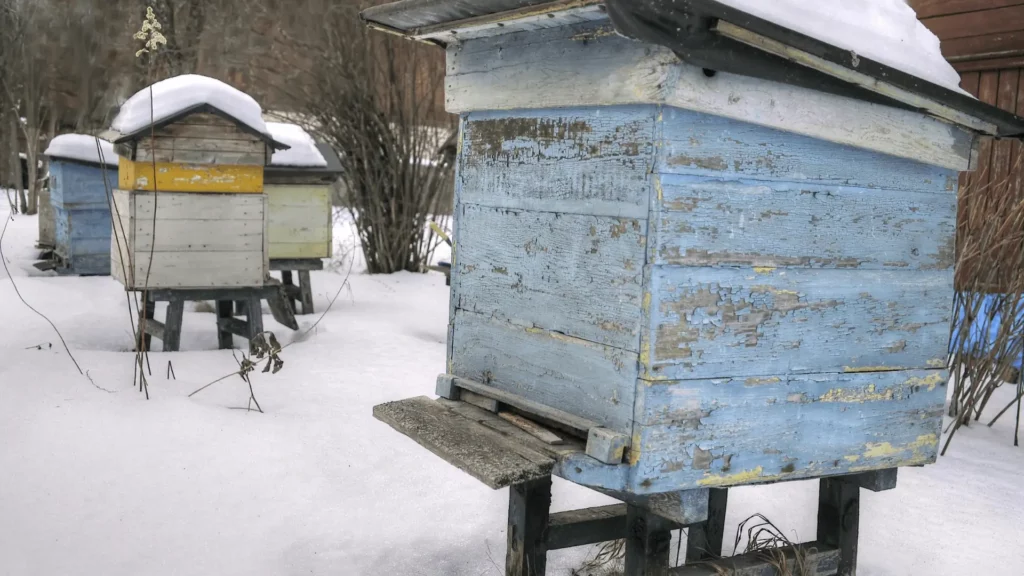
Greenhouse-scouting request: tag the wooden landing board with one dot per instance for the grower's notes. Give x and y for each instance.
(821, 560)
(482, 452)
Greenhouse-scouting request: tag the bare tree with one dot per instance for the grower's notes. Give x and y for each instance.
(375, 99)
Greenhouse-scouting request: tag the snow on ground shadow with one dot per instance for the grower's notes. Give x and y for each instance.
(108, 483)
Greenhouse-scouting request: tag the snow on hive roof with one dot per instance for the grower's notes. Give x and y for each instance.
(82, 147)
(886, 31)
(303, 151)
(179, 94)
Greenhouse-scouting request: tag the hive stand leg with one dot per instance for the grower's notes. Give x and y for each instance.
(240, 307)
(306, 292)
(529, 506)
(704, 540)
(254, 309)
(148, 312)
(172, 325)
(224, 338)
(648, 540)
(839, 519)
(289, 287)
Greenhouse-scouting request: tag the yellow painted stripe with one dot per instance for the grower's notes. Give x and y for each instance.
(176, 177)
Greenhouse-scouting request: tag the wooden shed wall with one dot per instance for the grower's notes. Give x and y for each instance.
(984, 41)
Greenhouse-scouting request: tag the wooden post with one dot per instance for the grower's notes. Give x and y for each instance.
(529, 506)
(224, 310)
(704, 540)
(240, 307)
(148, 312)
(172, 325)
(286, 280)
(254, 314)
(839, 519)
(306, 291)
(648, 539)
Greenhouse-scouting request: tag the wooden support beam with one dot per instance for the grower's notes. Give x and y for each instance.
(587, 526)
(305, 292)
(280, 264)
(172, 325)
(529, 505)
(234, 326)
(224, 313)
(154, 328)
(254, 315)
(648, 539)
(705, 540)
(144, 341)
(839, 519)
(877, 480)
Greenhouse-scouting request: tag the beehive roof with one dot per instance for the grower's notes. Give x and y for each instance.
(747, 37)
(170, 100)
(82, 148)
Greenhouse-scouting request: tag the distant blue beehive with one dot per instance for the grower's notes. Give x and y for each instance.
(79, 186)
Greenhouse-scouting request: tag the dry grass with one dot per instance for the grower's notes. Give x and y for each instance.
(988, 324)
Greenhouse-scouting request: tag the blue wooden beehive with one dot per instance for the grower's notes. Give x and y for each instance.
(80, 181)
(718, 279)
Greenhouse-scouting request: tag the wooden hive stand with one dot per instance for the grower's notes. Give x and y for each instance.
(495, 444)
(169, 331)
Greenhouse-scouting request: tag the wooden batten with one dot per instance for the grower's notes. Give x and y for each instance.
(181, 177)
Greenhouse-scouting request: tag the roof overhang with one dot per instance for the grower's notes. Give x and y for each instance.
(118, 138)
(717, 37)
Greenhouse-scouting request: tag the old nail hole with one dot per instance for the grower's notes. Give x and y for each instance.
(710, 73)
(915, 251)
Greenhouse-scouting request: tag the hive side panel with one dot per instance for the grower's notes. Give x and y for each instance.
(201, 139)
(202, 241)
(741, 431)
(550, 232)
(120, 250)
(708, 145)
(711, 222)
(586, 379)
(80, 186)
(299, 221)
(573, 274)
(721, 322)
(591, 161)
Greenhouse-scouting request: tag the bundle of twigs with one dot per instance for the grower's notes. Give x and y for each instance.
(987, 338)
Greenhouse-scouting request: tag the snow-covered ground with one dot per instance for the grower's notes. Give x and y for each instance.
(95, 482)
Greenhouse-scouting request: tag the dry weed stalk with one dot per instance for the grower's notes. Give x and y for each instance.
(987, 336)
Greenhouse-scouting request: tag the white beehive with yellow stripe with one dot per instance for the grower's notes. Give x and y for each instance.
(191, 187)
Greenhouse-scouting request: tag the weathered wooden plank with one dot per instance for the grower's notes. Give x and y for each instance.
(729, 432)
(198, 207)
(1005, 19)
(199, 269)
(708, 222)
(296, 264)
(155, 328)
(172, 327)
(234, 326)
(714, 322)
(206, 157)
(178, 177)
(249, 144)
(532, 428)
(931, 8)
(577, 275)
(582, 378)
(203, 127)
(591, 161)
(570, 68)
(193, 236)
(225, 310)
(708, 145)
(818, 559)
(299, 250)
(876, 480)
(571, 421)
(475, 449)
(1001, 44)
(586, 526)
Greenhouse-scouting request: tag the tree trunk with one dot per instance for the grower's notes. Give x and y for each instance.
(16, 163)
